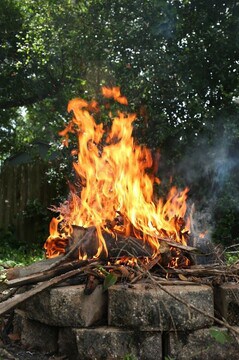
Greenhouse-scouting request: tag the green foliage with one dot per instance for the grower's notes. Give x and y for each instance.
(35, 208)
(13, 253)
(109, 281)
(177, 60)
(130, 357)
(9, 75)
(38, 218)
(232, 257)
(160, 57)
(40, 68)
(226, 213)
(221, 336)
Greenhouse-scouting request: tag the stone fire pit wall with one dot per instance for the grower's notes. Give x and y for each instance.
(131, 322)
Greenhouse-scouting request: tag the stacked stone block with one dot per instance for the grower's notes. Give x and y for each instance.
(129, 322)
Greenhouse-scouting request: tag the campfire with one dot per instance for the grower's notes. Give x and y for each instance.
(112, 212)
(112, 226)
(113, 229)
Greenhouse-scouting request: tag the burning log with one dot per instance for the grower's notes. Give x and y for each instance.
(85, 242)
(117, 245)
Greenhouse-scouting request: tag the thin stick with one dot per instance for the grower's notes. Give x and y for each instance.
(192, 307)
(46, 274)
(8, 294)
(180, 246)
(9, 304)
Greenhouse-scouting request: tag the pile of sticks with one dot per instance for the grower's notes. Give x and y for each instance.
(24, 282)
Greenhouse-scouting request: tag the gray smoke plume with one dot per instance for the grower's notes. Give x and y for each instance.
(208, 172)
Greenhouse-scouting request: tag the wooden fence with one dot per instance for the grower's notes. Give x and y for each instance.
(20, 185)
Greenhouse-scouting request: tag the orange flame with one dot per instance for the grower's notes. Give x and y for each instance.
(116, 182)
(115, 94)
(202, 235)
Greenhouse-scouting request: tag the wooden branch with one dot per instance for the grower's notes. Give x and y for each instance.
(23, 271)
(177, 245)
(87, 241)
(204, 271)
(232, 329)
(47, 274)
(121, 246)
(118, 245)
(11, 303)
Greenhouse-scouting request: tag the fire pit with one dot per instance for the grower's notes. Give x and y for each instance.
(119, 281)
(141, 321)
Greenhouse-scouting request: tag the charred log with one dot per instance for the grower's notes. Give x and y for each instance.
(119, 245)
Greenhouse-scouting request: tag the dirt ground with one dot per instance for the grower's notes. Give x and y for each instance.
(15, 351)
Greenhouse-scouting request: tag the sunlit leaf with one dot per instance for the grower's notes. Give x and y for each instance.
(182, 277)
(109, 281)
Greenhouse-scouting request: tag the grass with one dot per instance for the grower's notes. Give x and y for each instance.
(232, 254)
(13, 253)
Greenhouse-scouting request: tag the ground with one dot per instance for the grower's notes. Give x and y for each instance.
(14, 351)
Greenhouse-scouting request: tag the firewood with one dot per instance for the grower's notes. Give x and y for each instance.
(47, 274)
(207, 270)
(23, 271)
(85, 242)
(118, 245)
(185, 248)
(17, 299)
(79, 236)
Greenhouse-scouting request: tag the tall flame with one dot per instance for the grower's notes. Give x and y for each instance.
(116, 183)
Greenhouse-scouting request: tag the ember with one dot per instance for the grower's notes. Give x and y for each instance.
(116, 190)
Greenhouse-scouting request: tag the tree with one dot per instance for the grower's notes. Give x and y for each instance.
(178, 57)
(175, 60)
(41, 67)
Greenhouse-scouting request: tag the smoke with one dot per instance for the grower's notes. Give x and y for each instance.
(223, 165)
(208, 170)
(213, 163)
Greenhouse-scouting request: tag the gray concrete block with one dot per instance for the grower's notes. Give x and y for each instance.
(37, 336)
(67, 343)
(226, 299)
(152, 308)
(106, 343)
(67, 306)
